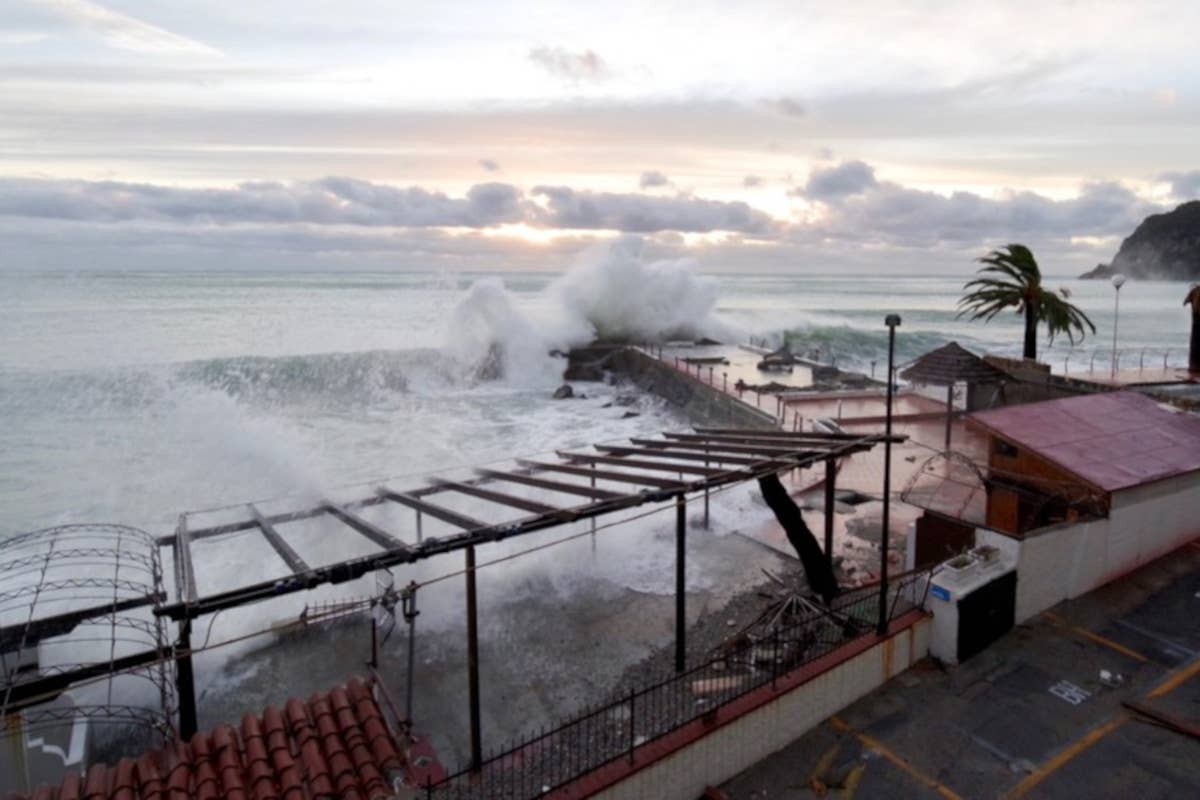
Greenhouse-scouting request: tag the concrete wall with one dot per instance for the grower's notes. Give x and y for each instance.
(701, 403)
(715, 758)
(1070, 559)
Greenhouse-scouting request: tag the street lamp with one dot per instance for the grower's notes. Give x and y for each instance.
(1118, 280)
(892, 321)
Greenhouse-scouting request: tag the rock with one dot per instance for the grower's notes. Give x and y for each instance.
(564, 392)
(625, 399)
(1164, 246)
(629, 414)
(1101, 272)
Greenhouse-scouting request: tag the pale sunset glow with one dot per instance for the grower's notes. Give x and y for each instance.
(785, 124)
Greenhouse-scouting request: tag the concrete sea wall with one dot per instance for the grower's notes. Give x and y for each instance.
(700, 403)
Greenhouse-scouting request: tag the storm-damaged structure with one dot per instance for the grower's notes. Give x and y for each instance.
(65, 584)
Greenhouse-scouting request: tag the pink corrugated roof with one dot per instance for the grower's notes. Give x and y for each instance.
(1112, 441)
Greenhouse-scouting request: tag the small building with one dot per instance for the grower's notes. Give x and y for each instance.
(1084, 489)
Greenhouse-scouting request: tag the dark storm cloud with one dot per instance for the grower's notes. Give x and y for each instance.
(354, 202)
(832, 183)
(888, 213)
(639, 213)
(329, 201)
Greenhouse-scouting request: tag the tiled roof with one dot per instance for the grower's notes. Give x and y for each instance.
(336, 745)
(1113, 441)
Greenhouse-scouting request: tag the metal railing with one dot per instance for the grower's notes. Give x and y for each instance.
(1101, 360)
(599, 735)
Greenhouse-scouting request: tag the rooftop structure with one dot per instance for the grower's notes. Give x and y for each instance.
(337, 744)
(1111, 441)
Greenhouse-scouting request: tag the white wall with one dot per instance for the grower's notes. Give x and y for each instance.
(717, 757)
(1149, 521)
(1070, 559)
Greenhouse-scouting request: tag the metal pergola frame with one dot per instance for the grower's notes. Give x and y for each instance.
(657, 470)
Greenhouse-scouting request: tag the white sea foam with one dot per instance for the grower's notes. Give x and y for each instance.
(611, 293)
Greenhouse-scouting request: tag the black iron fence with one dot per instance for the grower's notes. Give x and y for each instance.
(598, 735)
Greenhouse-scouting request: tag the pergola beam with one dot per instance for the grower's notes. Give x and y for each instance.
(435, 511)
(291, 557)
(606, 475)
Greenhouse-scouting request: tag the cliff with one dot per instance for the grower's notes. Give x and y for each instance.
(1164, 247)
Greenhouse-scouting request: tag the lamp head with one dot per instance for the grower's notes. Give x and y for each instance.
(1118, 280)
(892, 320)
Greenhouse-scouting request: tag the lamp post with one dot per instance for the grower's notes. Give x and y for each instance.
(1118, 281)
(892, 321)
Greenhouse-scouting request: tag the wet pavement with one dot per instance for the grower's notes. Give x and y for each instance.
(1030, 716)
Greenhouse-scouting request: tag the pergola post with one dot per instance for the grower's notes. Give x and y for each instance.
(473, 662)
(185, 681)
(680, 583)
(949, 412)
(830, 477)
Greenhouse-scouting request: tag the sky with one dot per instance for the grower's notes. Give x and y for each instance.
(757, 136)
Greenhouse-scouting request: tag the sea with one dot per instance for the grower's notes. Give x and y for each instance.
(130, 397)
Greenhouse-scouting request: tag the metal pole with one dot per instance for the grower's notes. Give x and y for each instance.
(185, 682)
(409, 608)
(1116, 312)
(892, 321)
(830, 477)
(473, 662)
(949, 412)
(680, 583)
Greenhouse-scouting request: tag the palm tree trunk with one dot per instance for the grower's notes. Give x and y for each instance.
(1030, 333)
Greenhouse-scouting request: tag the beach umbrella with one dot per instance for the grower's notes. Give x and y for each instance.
(948, 365)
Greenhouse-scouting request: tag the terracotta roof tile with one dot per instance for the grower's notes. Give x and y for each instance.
(337, 745)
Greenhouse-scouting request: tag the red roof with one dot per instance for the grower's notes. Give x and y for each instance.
(1113, 441)
(337, 745)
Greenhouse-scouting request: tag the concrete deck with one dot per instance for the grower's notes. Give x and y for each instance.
(1028, 717)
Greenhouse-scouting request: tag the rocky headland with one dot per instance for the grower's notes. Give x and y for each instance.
(1164, 247)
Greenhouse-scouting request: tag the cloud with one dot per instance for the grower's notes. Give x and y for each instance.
(788, 106)
(752, 181)
(893, 215)
(639, 213)
(834, 183)
(652, 179)
(329, 201)
(584, 65)
(123, 32)
(342, 201)
(1184, 185)
(489, 165)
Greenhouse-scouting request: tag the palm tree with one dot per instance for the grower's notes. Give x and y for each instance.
(1012, 279)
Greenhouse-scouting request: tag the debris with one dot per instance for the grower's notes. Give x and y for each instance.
(630, 414)
(1113, 680)
(564, 392)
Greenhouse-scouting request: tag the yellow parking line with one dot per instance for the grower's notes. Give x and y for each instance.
(1075, 748)
(850, 786)
(1095, 637)
(1174, 680)
(877, 746)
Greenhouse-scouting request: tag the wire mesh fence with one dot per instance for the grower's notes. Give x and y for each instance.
(599, 735)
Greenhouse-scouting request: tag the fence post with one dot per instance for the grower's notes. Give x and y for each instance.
(774, 656)
(680, 583)
(632, 699)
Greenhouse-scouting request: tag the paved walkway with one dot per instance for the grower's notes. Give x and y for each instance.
(1030, 716)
